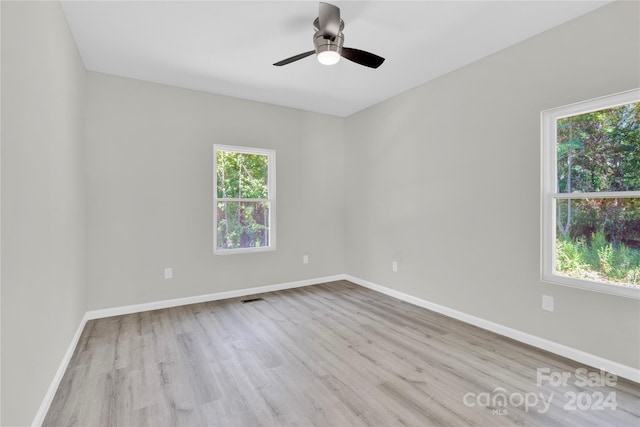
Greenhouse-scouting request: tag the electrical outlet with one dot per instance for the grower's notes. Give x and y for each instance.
(394, 266)
(305, 259)
(168, 273)
(547, 303)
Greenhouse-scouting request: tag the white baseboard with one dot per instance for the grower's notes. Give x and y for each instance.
(598, 362)
(51, 392)
(618, 369)
(156, 305)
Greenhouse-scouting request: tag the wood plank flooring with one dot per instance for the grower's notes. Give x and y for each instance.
(334, 354)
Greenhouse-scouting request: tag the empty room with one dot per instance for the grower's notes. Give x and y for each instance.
(302, 213)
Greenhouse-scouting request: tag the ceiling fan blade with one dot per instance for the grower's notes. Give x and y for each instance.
(294, 58)
(329, 19)
(361, 57)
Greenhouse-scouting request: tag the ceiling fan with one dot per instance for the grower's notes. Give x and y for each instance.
(328, 40)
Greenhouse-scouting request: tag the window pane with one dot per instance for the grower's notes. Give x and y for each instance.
(599, 151)
(599, 240)
(243, 225)
(242, 175)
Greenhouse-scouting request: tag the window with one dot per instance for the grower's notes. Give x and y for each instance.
(591, 195)
(244, 199)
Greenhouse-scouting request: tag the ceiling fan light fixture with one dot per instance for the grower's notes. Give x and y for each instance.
(328, 57)
(328, 49)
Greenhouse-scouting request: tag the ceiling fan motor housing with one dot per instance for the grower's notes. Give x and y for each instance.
(325, 41)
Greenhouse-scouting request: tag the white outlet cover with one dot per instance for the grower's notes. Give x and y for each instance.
(168, 273)
(305, 259)
(547, 303)
(394, 266)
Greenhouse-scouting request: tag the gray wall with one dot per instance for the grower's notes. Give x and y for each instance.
(43, 202)
(445, 179)
(149, 171)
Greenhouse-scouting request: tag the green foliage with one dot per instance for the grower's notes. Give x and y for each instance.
(570, 256)
(633, 277)
(598, 260)
(605, 256)
(600, 151)
(242, 175)
(242, 224)
(595, 249)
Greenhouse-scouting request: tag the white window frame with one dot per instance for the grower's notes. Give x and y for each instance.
(271, 174)
(550, 195)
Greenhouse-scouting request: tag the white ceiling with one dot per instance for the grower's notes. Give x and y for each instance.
(228, 47)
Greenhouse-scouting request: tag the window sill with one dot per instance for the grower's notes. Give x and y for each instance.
(243, 250)
(589, 285)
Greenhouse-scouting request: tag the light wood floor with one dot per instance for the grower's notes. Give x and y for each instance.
(328, 355)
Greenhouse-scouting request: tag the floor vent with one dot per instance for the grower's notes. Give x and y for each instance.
(244, 301)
